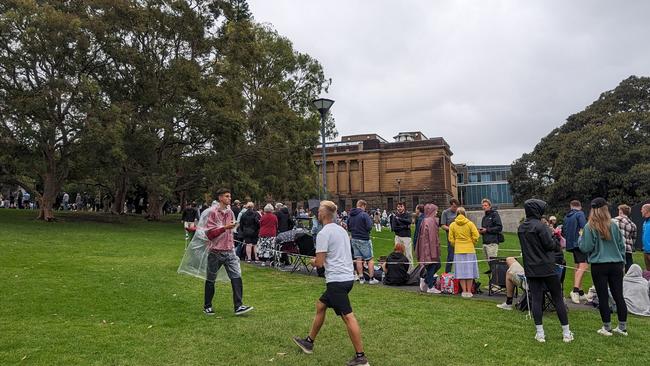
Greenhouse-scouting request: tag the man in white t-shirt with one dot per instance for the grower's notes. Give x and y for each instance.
(333, 251)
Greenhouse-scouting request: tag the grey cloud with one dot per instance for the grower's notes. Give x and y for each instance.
(491, 77)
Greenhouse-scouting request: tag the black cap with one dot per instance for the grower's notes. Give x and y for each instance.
(598, 202)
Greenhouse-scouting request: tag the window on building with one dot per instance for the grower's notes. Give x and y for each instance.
(391, 204)
(460, 178)
(416, 202)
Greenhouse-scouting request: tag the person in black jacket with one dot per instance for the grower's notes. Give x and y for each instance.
(190, 217)
(539, 250)
(396, 267)
(491, 229)
(250, 228)
(401, 225)
(285, 223)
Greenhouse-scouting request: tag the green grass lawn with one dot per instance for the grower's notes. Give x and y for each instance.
(96, 290)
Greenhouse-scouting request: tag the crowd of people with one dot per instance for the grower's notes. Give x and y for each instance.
(17, 199)
(343, 243)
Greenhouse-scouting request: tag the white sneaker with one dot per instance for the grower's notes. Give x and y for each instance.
(505, 306)
(433, 290)
(583, 299)
(423, 285)
(618, 330)
(605, 332)
(466, 294)
(541, 338)
(567, 338)
(373, 281)
(575, 297)
(362, 281)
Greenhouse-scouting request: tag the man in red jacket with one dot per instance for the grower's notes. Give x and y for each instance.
(221, 244)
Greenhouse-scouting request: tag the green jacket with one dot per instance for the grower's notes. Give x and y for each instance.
(599, 250)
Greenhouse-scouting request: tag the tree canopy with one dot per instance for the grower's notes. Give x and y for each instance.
(602, 151)
(170, 97)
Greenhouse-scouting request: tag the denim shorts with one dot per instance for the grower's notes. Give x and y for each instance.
(362, 249)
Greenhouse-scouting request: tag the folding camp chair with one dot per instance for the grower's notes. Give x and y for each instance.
(547, 304)
(306, 251)
(497, 276)
(560, 270)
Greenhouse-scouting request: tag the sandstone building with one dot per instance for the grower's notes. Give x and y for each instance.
(414, 168)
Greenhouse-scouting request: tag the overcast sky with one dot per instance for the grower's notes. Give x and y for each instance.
(491, 77)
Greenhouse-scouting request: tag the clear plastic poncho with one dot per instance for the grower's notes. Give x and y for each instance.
(195, 259)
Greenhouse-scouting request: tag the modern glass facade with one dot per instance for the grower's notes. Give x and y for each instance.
(484, 181)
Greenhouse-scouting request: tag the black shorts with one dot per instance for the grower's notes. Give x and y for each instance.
(336, 297)
(578, 256)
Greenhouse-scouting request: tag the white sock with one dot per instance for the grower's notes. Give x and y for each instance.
(565, 330)
(540, 329)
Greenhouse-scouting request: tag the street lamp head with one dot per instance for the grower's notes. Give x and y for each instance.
(323, 105)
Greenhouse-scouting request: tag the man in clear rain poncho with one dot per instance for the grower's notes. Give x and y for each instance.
(213, 247)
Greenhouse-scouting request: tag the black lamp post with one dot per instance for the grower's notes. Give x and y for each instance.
(323, 105)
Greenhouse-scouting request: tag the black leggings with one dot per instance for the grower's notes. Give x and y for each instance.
(537, 286)
(611, 274)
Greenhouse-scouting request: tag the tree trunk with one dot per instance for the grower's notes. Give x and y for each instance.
(120, 195)
(47, 199)
(154, 208)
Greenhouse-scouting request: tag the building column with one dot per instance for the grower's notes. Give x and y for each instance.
(362, 176)
(336, 178)
(347, 169)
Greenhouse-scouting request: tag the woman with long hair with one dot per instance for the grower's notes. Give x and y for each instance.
(603, 244)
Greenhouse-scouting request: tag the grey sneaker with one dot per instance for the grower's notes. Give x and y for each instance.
(619, 331)
(605, 332)
(575, 297)
(304, 345)
(243, 310)
(567, 338)
(358, 361)
(505, 306)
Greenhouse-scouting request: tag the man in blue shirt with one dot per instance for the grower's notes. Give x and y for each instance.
(645, 212)
(574, 222)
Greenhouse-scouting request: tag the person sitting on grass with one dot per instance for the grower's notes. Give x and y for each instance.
(428, 249)
(513, 280)
(396, 267)
(463, 235)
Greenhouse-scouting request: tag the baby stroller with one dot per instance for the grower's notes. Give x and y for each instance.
(285, 245)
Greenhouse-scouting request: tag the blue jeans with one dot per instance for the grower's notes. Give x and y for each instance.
(450, 257)
(431, 271)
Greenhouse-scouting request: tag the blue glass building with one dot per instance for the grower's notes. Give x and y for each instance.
(476, 182)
